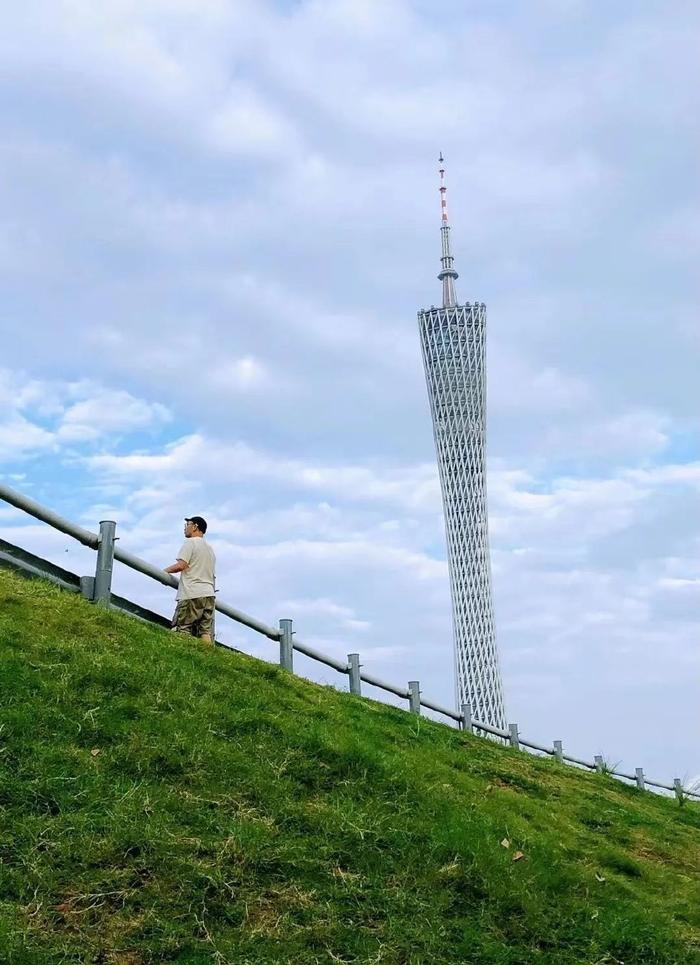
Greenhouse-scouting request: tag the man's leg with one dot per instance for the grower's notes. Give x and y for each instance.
(206, 619)
(184, 618)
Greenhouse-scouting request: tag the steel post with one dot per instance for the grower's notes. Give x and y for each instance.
(558, 752)
(639, 777)
(466, 721)
(286, 646)
(513, 738)
(87, 587)
(354, 673)
(105, 562)
(678, 788)
(414, 696)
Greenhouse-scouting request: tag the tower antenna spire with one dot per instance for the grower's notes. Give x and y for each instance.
(448, 274)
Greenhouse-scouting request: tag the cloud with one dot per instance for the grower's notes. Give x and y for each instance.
(324, 607)
(520, 385)
(246, 374)
(103, 411)
(18, 438)
(677, 584)
(407, 486)
(244, 125)
(669, 473)
(38, 415)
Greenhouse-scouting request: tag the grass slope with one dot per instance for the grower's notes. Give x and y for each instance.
(163, 802)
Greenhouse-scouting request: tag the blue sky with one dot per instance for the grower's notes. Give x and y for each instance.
(218, 220)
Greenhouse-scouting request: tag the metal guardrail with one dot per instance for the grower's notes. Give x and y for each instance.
(98, 589)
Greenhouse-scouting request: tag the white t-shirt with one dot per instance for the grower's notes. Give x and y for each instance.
(198, 579)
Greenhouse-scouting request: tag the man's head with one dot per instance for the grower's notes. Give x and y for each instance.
(195, 526)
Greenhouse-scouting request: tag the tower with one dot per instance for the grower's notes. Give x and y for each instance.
(453, 345)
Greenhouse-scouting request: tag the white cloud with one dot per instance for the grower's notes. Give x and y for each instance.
(107, 411)
(517, 384)
(628, 435)
(244, 125)
(38, 415)
(246, 374)
(678, 235)
(415, 486)
(18, 437)
(679, 584)
(688, 473)
(323, 607)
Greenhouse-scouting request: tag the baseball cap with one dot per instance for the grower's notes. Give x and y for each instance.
(199, 522)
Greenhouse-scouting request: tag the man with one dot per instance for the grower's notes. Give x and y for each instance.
(196, 563)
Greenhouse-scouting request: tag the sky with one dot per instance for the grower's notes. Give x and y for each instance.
(218, 220)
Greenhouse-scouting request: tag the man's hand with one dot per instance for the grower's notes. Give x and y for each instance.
(177, 567)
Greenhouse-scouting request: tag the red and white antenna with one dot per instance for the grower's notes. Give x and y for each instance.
(448, 274)
(443, 191)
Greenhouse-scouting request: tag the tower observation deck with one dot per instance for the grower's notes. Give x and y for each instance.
(453, 345)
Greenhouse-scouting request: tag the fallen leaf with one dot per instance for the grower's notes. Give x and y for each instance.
(94, 752)
(518, 855)
(505, 843)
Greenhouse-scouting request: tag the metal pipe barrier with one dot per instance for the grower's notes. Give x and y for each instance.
(98, 589)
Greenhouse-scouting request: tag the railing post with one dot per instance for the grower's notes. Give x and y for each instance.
(466, 721)
(414, 696)
(354, 673)
(678, 788)
(639, 776)
(286, 646)
(598, 763)
(87, 587)
(513, 738)
(558, 752)
(105, 563)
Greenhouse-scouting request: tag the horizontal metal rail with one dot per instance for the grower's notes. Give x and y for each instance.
(247, 621)
(383, 685)
(627, 777)
(340, 665)
(577, 760)
(536, 747)
(412, 694)
(665, 787)
(494, 731)
(441, 710)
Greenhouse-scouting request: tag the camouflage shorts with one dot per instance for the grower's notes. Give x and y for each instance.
(195, 617)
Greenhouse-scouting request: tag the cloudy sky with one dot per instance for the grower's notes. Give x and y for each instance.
(218, 219)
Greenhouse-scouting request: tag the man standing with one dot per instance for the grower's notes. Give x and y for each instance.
(194, 613)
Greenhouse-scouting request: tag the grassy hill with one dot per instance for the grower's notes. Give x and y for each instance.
(164, 802)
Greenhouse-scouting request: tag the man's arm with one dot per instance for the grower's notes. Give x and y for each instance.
(177, 567)
(183, 558)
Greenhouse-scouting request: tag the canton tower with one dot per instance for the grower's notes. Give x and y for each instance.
(453, 344)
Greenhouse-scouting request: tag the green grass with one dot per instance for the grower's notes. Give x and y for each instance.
(164, 802)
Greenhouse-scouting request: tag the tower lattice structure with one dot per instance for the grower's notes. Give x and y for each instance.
(453, 345)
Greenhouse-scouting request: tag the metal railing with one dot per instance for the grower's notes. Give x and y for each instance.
(98, 589)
